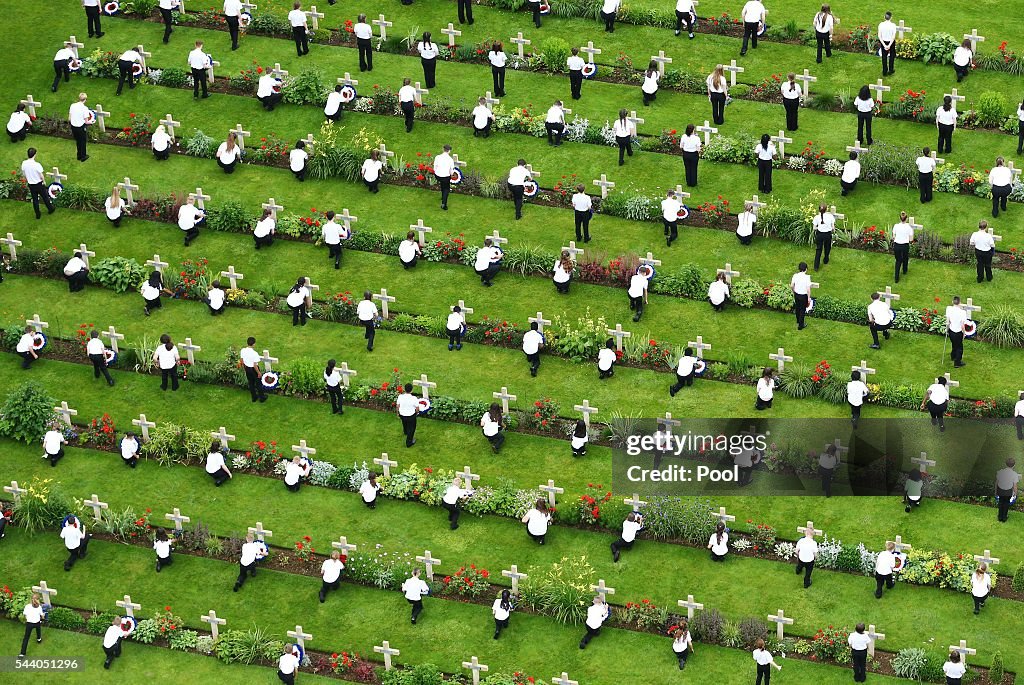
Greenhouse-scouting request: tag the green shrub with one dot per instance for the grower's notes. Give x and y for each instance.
(422, 674)
(707, 626)
(247, 646)
(183, 639)
(42, 507)
(269, 24)
(885, 163)
(305, 89)
(685, 518)
(170, 443)
(1018, 578)
(512, 5)
(751, 630)
(556, 52)
(991, 108)
(229, 216)
(1003, 327)
(26, 413)
(120, 274)
(834, 389)
(173, 77)
(97, 624)
(145, 631)
(80, 197)
(909, 662)
(996, 671)
(936, 47)
(143, 8)
(63, 618)
(746, 292)
(200, 145)
(561, 590)
(307, 376)
(795, 380)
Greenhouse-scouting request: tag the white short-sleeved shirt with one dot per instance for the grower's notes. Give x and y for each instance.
(880, 311)
(670, 209)
(1006, 478)
(500, 613)
(517, 175)
(623, 128)
(331, 569)
(596, 615)
(250, 550)
(685, 366)
(887, 31)
(63, 54)
(129, 447)
(681, 644)
(130, 56)
(112, 211)
(485, 257)
(939, 393)
(113, 634)
(297, 297)
(265, 86)
(197, 59)
(228, 156)
(166, 358)
(532, 341)
(716, 86)
(983, 240)
(925, 165)
(765, 388)
(981, 586)
(962, 56)
(864, 106)
(823, 23)
(555, 115)
(297, 18)
(606, 358)
(497, 59)
(33, 614)
(954, 670)
(72, 536)
(297, 159)
(806, 549)
(163, 548)
(78, 114)
(414, 588)
(288, 663)
(1000, 176)
(52, 442)
(650, 84)
(763, 657)
(160, 141)
(824, 223)
(944, 117)
(581, 202)
(249, 357)
(368, 491)
(684, 6)
(407, 250)
(630, 529)
(216, 297)
(1018, 410)
(363, 30)
(427, 50)
(765, 153)
(690, 143)
(333, 103)
(801, 283)
(443, 165)
(407, 404)
(25, 342)
(490, 426)
(32, 171)
(851, 171)
(791, 91)
(371, 169)
(366, 310)
(331, 230)
(537, 522)
(717, 292)
(856, 391)
(719, 548)
(903, 232)
(610, 6)
(745, 223)
(858, 641)
(264, 227)
(637, 285)
(752, 11)
(577, 442)
(561, 275)
(955, 317)
(455, 321)
(232, 7)
(18, 121)
(481, 115)
(575, 63)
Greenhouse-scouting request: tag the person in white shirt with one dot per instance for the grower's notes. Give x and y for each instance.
(408, 407)
(407, 102)
(444, 166)
(690, 144)
(250, 359)
(859, 642)
(300, 29)
(682, 644)
(984, 247)
(216, 466)
(684, 372)
(95, 350)
(1018, 415)
(718, 292)
(501, 609)
(624, 131)
(53, 446)
(129, 448)
(25, 347)
(76, 541)
(33, 613)
(791, 93)
(112, 640)
(824, 224)
(452, 498)
(538, 519)
(297, 159)
(685, 14)
(561, 272)
(856, 393)
(902, 236)
(165, 356)
(574, 63)
(92, 16)
(534, 6)
(764, 660)
(608, 10)
(954, 669)
(215, 298)
(332, 385)
(517, 178)
(745, 224)
(884, 566)
(19, 124)
(1006, 478)
(800, 284)
(637, 292)
(765, 389)
(199, 63)
(483, 119)
(151, 290)
(76, 272)
(268, 90)
(864, 103)
(232, 12)
(228, 154)
(428, 58)
(263, 232)
(1001, 179)
(409, 250)
(828, 462)
(371, 171)
(114, 207)
(126, 69)
(936, 398)
(765, 153)
(945, 122)
(718, 543)
(162, 547)
(582, 210)
(79, 117)
(299, 300)
(597, 613)
(533, 340)
(364, 36)
(851, 172)
(806, 555)
(955, 318)
(492, 423)
(632, 525)
(366, 312)
(465, 11)
(912, 489)
(963, 60)
(670, 207)
(1020, 128)
(330, 572)
(332, 110)
(498, 59)
(880, 318)
(554, 123)
(606, 359)
(718, 93)
(368, 491)
(887, 44)
(414, 588)
(488, 262)
(288, 664)
(190, 218)
(166, 8)
(925, 175)
(250, 554)
(824, 24)
(752, 14)
(579, 439)
(649, 87)
(160, 142)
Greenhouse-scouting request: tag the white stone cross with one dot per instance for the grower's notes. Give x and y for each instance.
(474, 665)
(128, 605)
(729, 273)
(514, 574)
(420, 92)
(938, 160)
(667, 423)
(780, 621)
(101, 117)
(781, 357)
(199, 197)
(156, 263)
(177, 517)
(564, 680)
(838, 444)
(649, 260)
(914, 225)
(425, 384)
(232, 276)
(605, 185)
(856, 147)
(299, 636)
(72, 43)
(384, 299)
(572, 249)
(923, 462)
(14, 490)
(65, 412)
(950, 382)
(314, 17)
(385, 463)
(634, 119)
(86, 253)
(240, 135)
(680, 193)
(12, 245)
(260, 532)
(540, 321)
(901, 28)
(214, 622)
(963, 650)
(969, 306)
(634, 502)
(209, 70)
(303, 450)
(143, 55)
(348, 219)
(815, 532)
(707, 129)
(489, 101)
(497, 239)
(308, 140)
(781, 139)
(699, 345)
(384, 152)
(586, 410)
(385, 649)
(590, 50)
(986, 558)
(505, 397)
(190, 350)
(467, 476)
(618, 334)
(900, 546)
(733, 70)
(879, 88)
(662, 60)
(97, 507)
(144, 426)
(956, 97)
(873, 636)
(384, 25)
(836, 214)
(347, 79)
(722, 516)
(974, 38)
(56, 176)
(170, 124)
(277, 71)
(268, 360)
(37, 323)
(346, 372)
(422, 229)
(888, 295)
(463, 307)
(519, 41)
(690, 605)
(114, 337)
(533, 172)
(755, 203)
(602, 589)
(995, 237)
(429, 562)
(222, 435)
(31, 104)
(311, 285)
(343, 546)
(451, 32)
(44, 591)
(551, 489)
(273, 207)
(1013, 170)
(864, 369)
(455, 158)
(807, 81)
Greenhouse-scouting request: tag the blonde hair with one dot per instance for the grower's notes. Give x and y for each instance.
(115, 197)
(718, 75)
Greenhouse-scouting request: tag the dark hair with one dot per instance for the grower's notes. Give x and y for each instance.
(165, 339)
(367, 295)
(688, 352)
(521, 162)
(337, 88)
(250, 340)
(20, 107)
(865, 93)
(407, 387)
(447, 148)
(506, 603)
(764, 140)
(495, 412)
(690, 128)
(361, 18)
(215, 446)
(534, 325)
(330, 212)
(719, 531)
(855, 375)
(947, 103)
(155, 279)
(496, 46)
(802, 266)
(622, 114)
(161, 535)
(299, 284)
(32, 150)
(581, 429)
(609, 343)
(954, 657)
(941, 380)
(300, 145)
(875, 296)
(216, 283)
(853, 155)
(860, 626)
(93, 333)
(914, 475)
(426, 37)
(330, 367)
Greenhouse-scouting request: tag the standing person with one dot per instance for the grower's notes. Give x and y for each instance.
(718, 292)
(580, 438)
(114, 207)
(368, 490)
(574, 63)
(162, 547)
(444, 165)
(126, 69)
(945, 122)
(856, 393)
(880, 317)
(682, 644)
(130, 450)
(61, 67)
(287, 665)
(488, 262)
(408, 407)
(483, 119)
(745, 223)
(407, 102)
(865, 106)
(190, 218)
(371, 170)
(637, 292)
(232, 12)
(300, 29)
(92, 16)
(824, 24)
(76, 272)
(19, 124)
(1001, 179)
(884, 566)
(330, 573)
(718, 543)
(582, 211)
(465, 11)
(649, 87)
(936, 398)
(561, 272)
(299, 301)
(79, 117)
(32, 172)
(1020, 128)
(249, 358)
(160, 142)
(765, 389)
(955, 318)
(684, 372)
(753, 14)
(608, 10)
(198, 63)
(925, 175)
(984, 247)
(364, 37)
(268, 90)
(228, 154)
(33, 613)
(517, 178)
(166, 7)
(263, 231)
(94, 349)
(498, 59)
(800, 284)
(332, 385)
(247, 560)
(624, 130)
(112, 641)
(1018, 415)
(1006, 488)
(824, 224)
(887, 44)
(954, 669)
(501, 609)
(534, 6)
(297, 159)
(851, 172)
(606, 359)
(763, 658)
(597, 613)
(452, 498)
(332, 108)
(491, 423)
(537, 520)
(902, 236)
(216, 466)
(690, 144)
(151, 291)
(912, 489)
(828, 462)
(455, 325)
(685, 14)
(765, 153)
(428, 58)
(718, 92)
(533, 340)
(366, 312)
(632, 525)
(670, 207)
(963, 61)
(791, 93)
(554, 123)
(859, 642)
(76, 541)
(166, 358)
(414, 588)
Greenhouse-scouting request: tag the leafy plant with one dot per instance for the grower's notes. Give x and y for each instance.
(936, 47)
(1003, 327)
(97, 624)
(171, 443)
(561, 590)
(1018, 578)
(63, 618)
(555, 52)
(183, 640)
(42, 507)
(796, 381)
(26, 412)
(305, 89)
(199, 144)
(145, 631)
(908, 662)
(120, 274)
(751, 630)
(991, 108)
(707, 626)
(247, 646)
(996, 671)
(230, 216)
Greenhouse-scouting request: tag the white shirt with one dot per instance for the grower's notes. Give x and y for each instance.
(216, 297)
(366, 310)
(63, 55)
(864, 106)
(72, 536)
(630, 529)
(681, 644)
(33, 614)
(537, 522)
(856, 391)
(556, 115)
(414, 588)
(331, 231)
(332, 379)
(690, 143)
(859, 641)
(18, 121)
(78, 112)
(650, 84)
(407, 404)
(297, 18)
(265, 86)
(160, 140)
(824, 23)
(499, 612)
(880, 312)
(74, 265)
(606, 358)
(903, 233)
(952, 670)
(112, 211)
(623, 128)
(717, 87)
(129, 447)
(851, 171)
(163, 548)
(801, 283)
(518, 175)
(1006, 478)
(249, 357)
(113, 634)
(25, 342)
(149, 292)
(333, 103)
(484, 257)
(596, 614)
(824, 223)
(480, 116)
(670, 209)
(331, 569)
(575, 63)
(232, 7)
(32, 171)
(368, 491)
(685, 368)
(1000, 176)
(752, 11)
(297, 159)
(532, 341)
(983, 240)
(955, 317)
(406, 94)
(765, 388)
(490, 427)
(295, 298)
(883, 566)
(560, 274)
(887, 31)
(288, 663)
(637, 285)
(581, 202)
(427, 50)
(166, 358)
(806, 549)
(719, 548)
(370, 170)
(925, 165)
(763, 657)
(946, 118)
(52, 442)
(791, 91)
(497, 59)
(579, 442)
(610, 6)
(443, 165)
(249, 551)
(1020, 113)
(264, 227)
(765, 153)
(980, 586)
(129, 56)
(745, 223)
(227, 157)
(197, 59)
(962, 56)
(717, 292)
(684, 5)
(828, 461)
(408, 249)
(1018, 410)
(939, 394)
(363, 30)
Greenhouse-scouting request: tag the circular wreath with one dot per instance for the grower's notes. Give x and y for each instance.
(111, 8)
(137, 70)
(684, 212)
(54, 189)
(74, 64)
(456, 177)
(498, 254)
(530, 189)
(244, 19)
(270, 380)
(646, 270)
(810, 305)
(110, 357)
(90, 117)
(700, 367)
(128, 624)
(262, 551)
(424, 405)
(209, 61)
(761, 28)
(348, 94)
(39, 342)
(589, 69)
(299, 652)
(899, 563)
(545, 8)
(970, 328)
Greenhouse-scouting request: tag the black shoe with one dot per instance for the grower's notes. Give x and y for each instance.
(875, 347)
(322, 598)
(263, 399)
(885, 334)
(959, 365)
(101, 34)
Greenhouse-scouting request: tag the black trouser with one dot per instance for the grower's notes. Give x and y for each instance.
(409, 264)
(946, 138)
(488, 274)
(681, 382)
(718, 108)
(228, 168)
(864, 122)
(764, 175)
(500, 624)
(465, 11)
(301, 39)
(99, 366)
(649, 97)
(163, 561)
(372, 186)
(162, 155)
(761, 405)
(860, 665)
(888, 59)
(199, 78)
(116, 222)
(745, 239)
(21, 135)
(563, 287)
(624, 147)
(365, 54)
(609, 21)
(534, 360)
(517, 198)
(299, 315)
(255, 385)
(1020, 137)
(153, 304)
(984, 263)
(29, 627)
(999, 195)
(854, 413)
(292, 487)
(764, 671)
(409, 111)
(498, 77)
(193, 233)
(792, 106)
(409, 429)
(60, 68)
(417, 607)
(684, 18)
(938, 413)
(112, 653)
(690, 160)
(749, 32)
(671, 230)
(575, 83)
(978, 603)
(132, 461)
(125, 72)
(26, 359)
(77, 281)
(800, 303)
(219, 476)
(824, 40)
(880, 580)
(336, 117)
(591, 633)
(496, 440)
(244, 572)
(429, 67)
(847, 187)
(1019, 422)
(334, 392)
(92, 15)
(233, 30)
(875, 328)
(168, 23)
(582, 221)
(38, 192)
(485, 131)
(171, 373)
(453, 514)
(445, 185)
(334, 252)
(1003, 497)
(535, 10)
(455, 337)
(925, 183)
(78, 132)
(822, 243)
(826, 476)
(956, 341)
(77, 553)
(270, 101)
(325, 587)
(557, 129)
(636, 304)
(263, 241)
(286, 678)
(369, 331)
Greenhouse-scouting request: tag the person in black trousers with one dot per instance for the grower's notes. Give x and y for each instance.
(824, 23)
(332, 385)
(407, 101)
(126, 69)
(765, 152)
(428, 58)
(300, 29)
(94, 348)
(498, 59)
(1020, 128)
(92, 16)
(582, 207)
(166, 7)
(465, 11)
(62, 66)
(791, 101)
(534, 6)
(250, 360)
(364, 36)
(575, 64)
(859, 643)
(33, 174)
(232, 10)
(1006, 483)
(33, 620)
